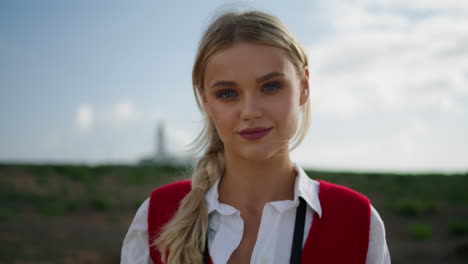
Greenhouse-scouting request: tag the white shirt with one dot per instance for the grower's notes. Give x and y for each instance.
(274, 239)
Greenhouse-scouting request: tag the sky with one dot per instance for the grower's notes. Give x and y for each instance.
(89, 81)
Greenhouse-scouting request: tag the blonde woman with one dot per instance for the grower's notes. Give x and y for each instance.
(247, 201)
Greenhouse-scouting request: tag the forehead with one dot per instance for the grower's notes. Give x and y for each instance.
(247, 61)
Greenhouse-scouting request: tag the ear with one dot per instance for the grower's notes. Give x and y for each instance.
(304, 96)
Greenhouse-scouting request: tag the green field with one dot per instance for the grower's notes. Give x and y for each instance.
(80, 214)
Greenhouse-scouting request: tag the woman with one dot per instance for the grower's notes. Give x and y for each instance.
(247, 202)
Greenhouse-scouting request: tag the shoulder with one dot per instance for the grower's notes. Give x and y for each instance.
(343, 201)
(163, 204)
(333, 191)
(173, 190)
(165, 200)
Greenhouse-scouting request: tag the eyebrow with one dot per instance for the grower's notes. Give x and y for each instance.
(258, 80)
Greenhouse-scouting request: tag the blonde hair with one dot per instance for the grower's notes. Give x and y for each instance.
(185, 235)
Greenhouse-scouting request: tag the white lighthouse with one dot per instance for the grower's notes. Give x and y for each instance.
(160, 142)
(163, 155)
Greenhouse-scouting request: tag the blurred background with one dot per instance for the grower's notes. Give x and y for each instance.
(97, 109)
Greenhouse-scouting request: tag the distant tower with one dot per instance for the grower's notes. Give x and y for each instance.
(160, 141)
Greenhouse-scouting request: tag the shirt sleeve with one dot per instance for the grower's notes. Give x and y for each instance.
(377, 252)
(135, 249)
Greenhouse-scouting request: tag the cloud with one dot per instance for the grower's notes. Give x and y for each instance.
(420, 6)
(125, 111)
(390, 56)
(121, 113)
(414, 147)
(84, 117)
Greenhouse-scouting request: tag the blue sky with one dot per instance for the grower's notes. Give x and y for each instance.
(88, 81)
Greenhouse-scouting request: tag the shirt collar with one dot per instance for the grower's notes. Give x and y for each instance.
(304, 187)
(212, 201)
(308, 189)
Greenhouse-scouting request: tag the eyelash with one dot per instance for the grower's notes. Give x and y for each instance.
(222, 93)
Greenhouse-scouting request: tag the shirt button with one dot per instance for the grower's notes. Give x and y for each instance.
(263, 260)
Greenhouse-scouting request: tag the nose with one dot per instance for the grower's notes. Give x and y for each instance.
(251, 108)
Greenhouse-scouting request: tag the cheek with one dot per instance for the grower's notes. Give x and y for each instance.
(223, 120)
(287, 113)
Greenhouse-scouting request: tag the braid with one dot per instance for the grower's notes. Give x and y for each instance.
(184, 236)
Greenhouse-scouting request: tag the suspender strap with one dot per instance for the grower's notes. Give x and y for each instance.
(298, 233)
(205, 253)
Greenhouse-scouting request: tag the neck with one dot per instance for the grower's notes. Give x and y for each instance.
(248, 185)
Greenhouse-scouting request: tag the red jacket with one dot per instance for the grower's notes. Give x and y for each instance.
(341, 235)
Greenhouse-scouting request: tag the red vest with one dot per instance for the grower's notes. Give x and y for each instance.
(341, 235)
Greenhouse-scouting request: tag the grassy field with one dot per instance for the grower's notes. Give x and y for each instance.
(80, 214)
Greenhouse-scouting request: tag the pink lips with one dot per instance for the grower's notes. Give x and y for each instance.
(254, 133)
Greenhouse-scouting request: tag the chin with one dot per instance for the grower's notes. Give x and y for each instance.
(257, 153)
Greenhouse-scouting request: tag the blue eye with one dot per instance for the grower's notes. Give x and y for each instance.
(269, 87)
(226, 94)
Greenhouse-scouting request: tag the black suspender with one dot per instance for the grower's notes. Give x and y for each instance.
(205, 254)
(297, 239)
(298, 233)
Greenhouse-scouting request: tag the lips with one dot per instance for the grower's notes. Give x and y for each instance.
(254, 133)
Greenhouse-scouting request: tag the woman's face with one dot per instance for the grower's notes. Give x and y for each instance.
(248, 86)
